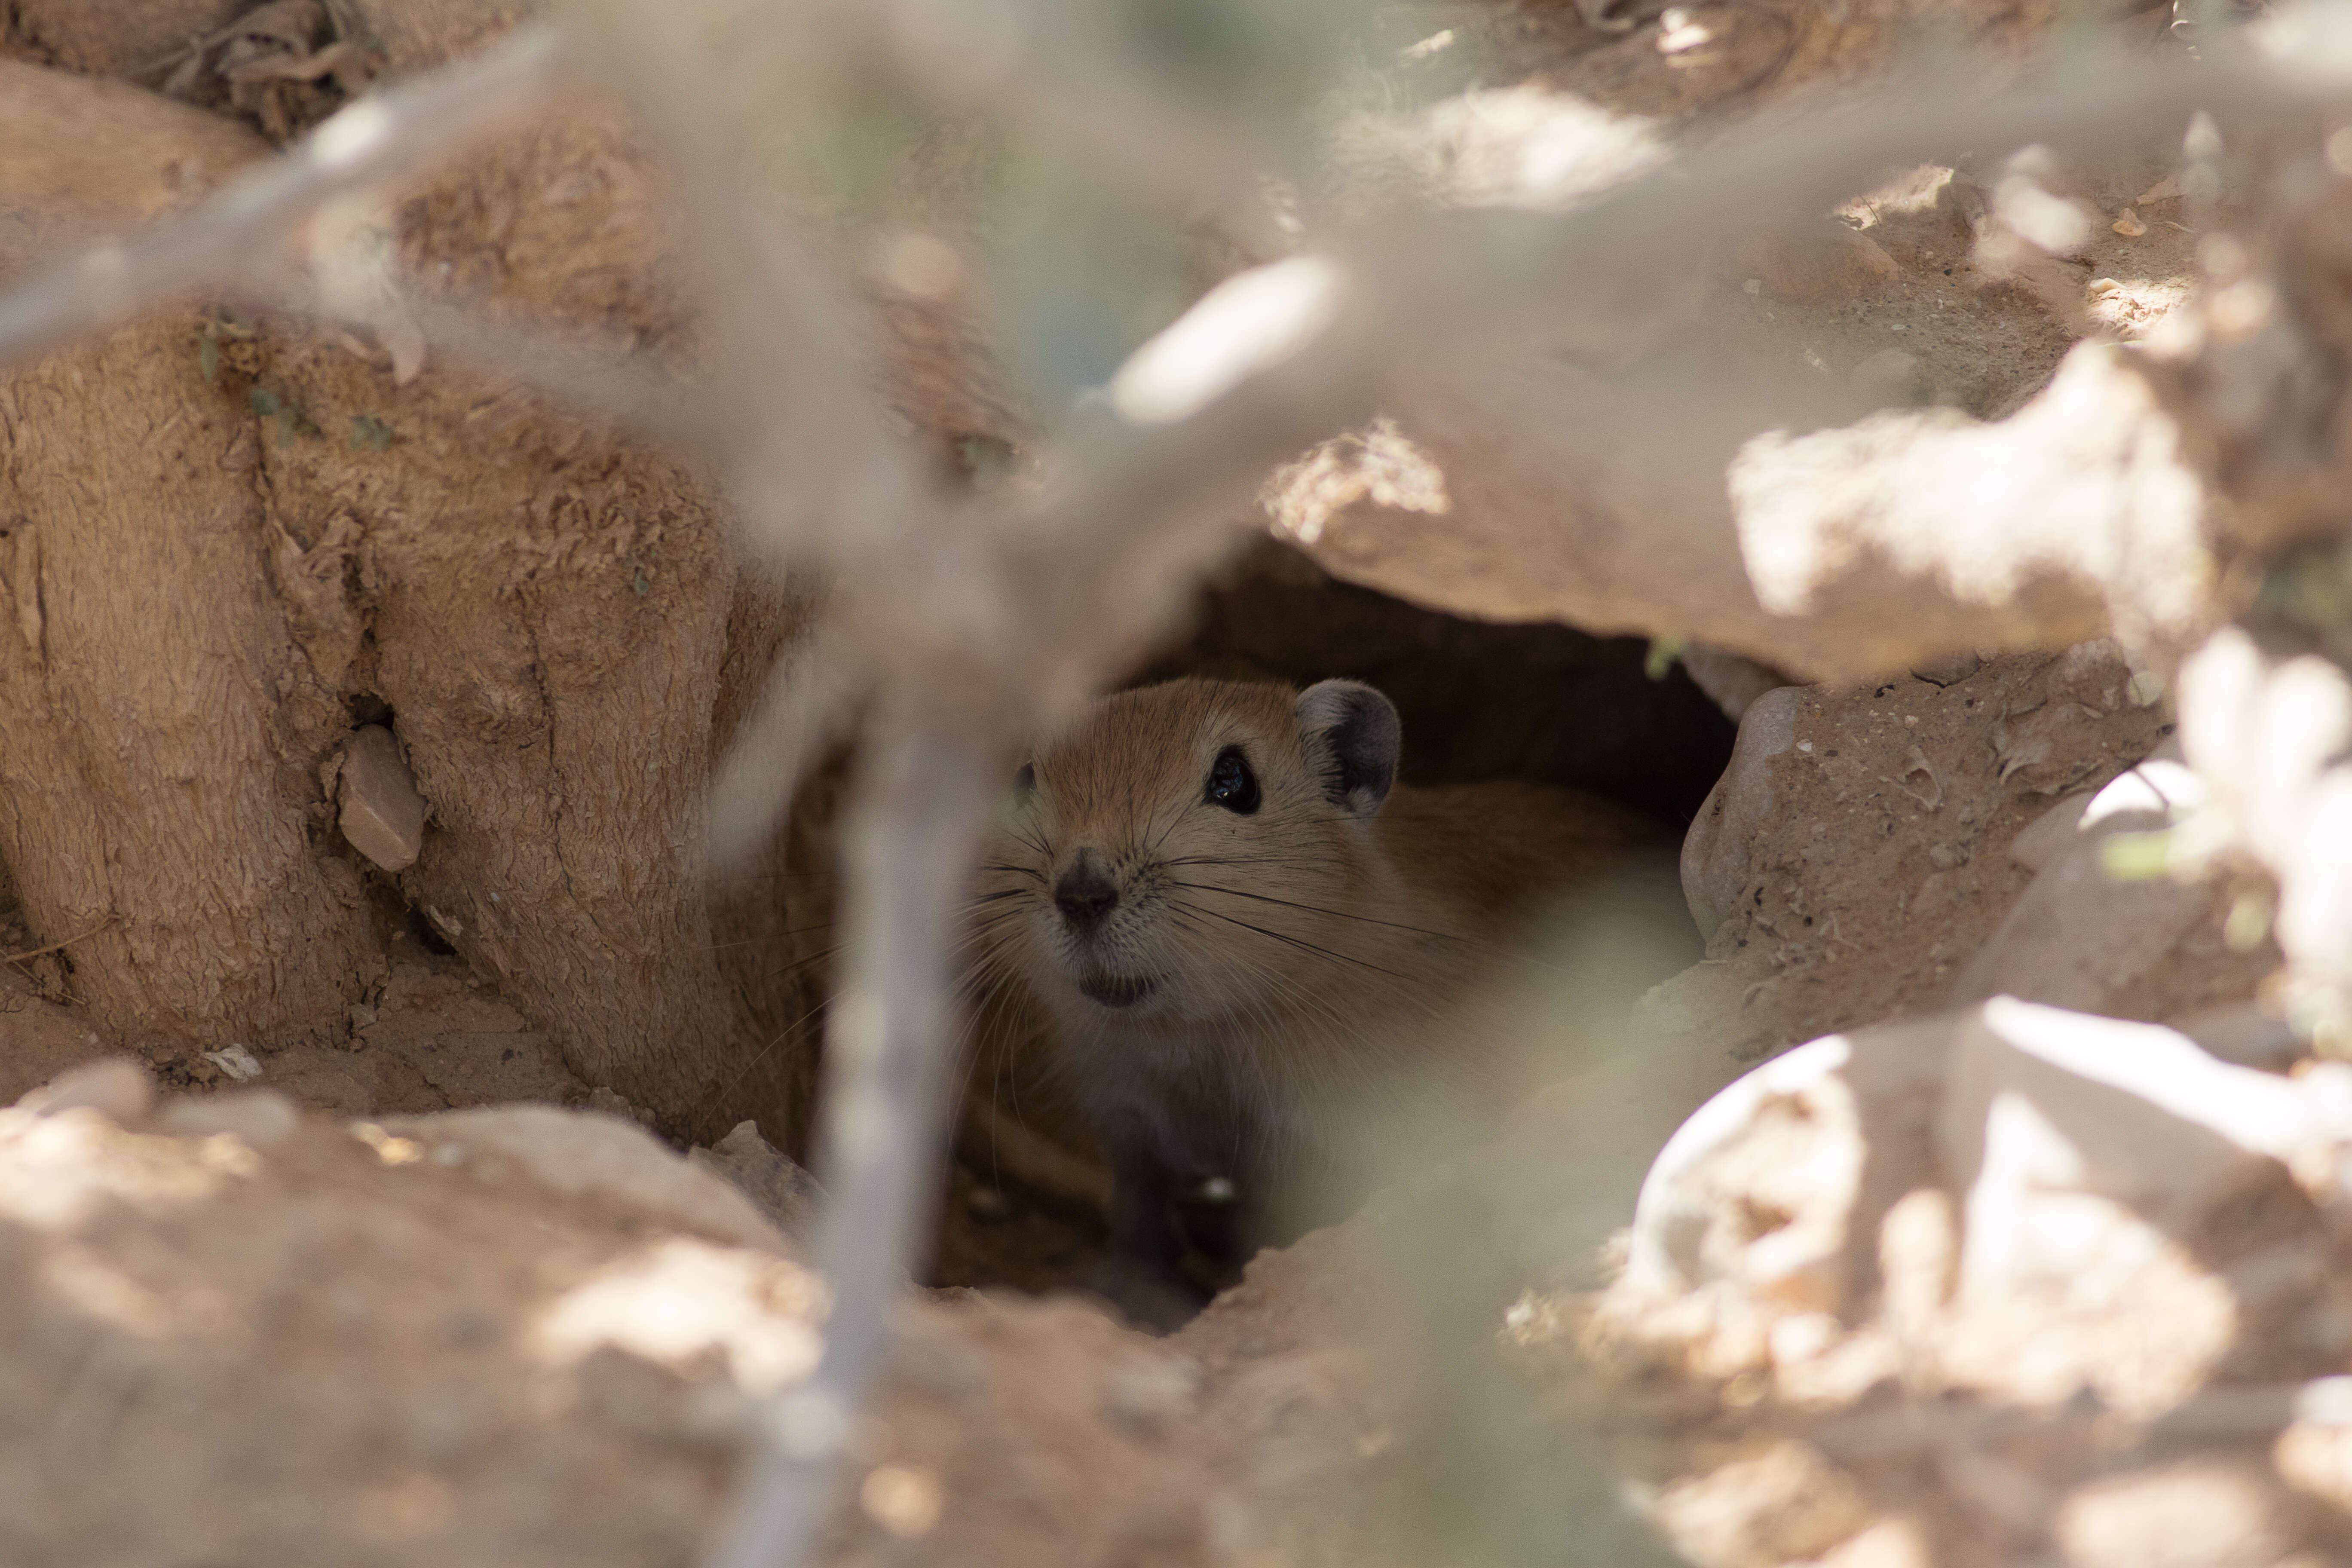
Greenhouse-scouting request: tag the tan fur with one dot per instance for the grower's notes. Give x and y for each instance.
(1298, 960)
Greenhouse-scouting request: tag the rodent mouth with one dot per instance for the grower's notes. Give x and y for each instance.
(1115, 989)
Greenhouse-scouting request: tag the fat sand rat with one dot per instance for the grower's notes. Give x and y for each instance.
(1243, 933)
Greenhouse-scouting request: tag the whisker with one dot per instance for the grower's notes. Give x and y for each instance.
(1317, 909)
(733, 878)
(805, 962)
(1300, 943)
(712, 1101)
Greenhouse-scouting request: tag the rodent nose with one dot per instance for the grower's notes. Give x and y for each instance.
(1086, 895)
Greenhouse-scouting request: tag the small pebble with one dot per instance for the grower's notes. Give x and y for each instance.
(2128, 224)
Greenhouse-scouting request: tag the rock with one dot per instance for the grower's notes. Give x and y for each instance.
(426, 1362)
(2041, 1103)
(2079, 937)
(787, 1194)
(1856, 853)
(262, 1117)
(1714, 857)
(116, 1086)
(1792, 1138)
(1838, 552)
(1778, 1185)
(383, 814)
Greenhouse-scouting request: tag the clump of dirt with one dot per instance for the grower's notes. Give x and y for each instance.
(535, 1336)
(1856, 854)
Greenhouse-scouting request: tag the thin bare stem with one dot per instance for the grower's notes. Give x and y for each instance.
(916, 828)
(57, 946)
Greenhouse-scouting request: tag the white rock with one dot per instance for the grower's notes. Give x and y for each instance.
(2077, 937)
(1857, 1098)
(2010, 1106)
(2042, 1102)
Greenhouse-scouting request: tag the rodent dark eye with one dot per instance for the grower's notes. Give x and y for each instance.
(1231, 784)
(1025, 781)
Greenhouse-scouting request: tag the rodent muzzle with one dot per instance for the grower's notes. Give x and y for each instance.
(1085, 894)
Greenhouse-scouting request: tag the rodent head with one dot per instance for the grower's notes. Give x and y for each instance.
(1192, 852)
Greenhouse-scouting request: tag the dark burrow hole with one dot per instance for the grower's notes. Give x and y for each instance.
(1542, 702)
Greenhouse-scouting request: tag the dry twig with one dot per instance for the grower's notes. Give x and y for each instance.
(57, 946)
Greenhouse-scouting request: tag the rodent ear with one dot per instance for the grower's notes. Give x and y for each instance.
(1352, 737)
